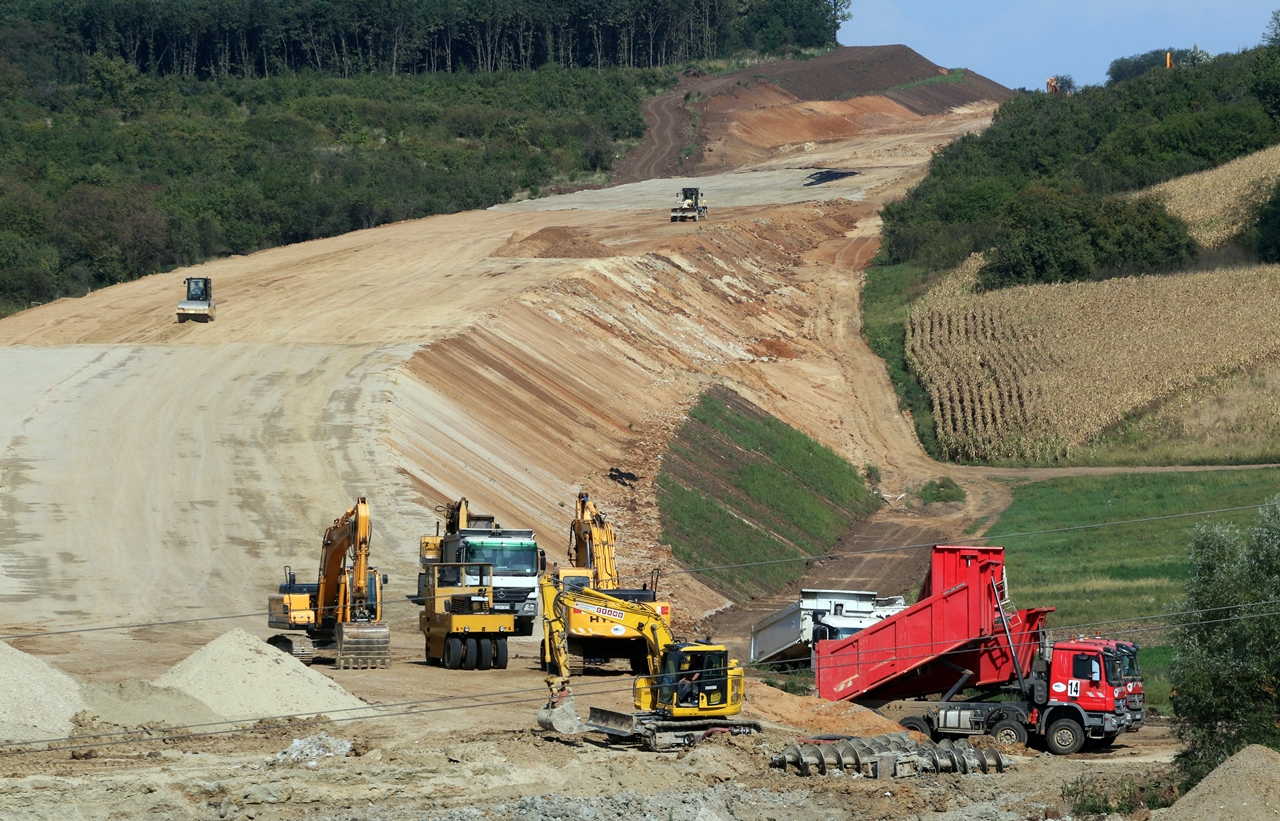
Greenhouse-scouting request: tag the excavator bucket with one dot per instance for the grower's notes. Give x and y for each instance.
(363, 645)
(561, 718)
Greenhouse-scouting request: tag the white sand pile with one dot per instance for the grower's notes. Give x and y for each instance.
(243, 678)
(1245, 787)
(37, 700)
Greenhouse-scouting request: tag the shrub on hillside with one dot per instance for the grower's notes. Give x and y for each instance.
(1049, 235)
(1267, 232)
(1226, 672)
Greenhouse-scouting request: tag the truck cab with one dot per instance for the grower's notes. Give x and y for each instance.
(514, 556)
(691, 203)
(1086, 685)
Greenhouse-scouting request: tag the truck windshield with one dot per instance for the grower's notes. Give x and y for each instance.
(507, 560)
(1112, 664)
(1129, 664)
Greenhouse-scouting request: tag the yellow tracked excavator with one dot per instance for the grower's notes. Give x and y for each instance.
(593, 563)
(342, 611)
(692, 688)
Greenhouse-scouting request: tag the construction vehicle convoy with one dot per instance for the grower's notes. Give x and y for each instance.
(471, 538)
(593, 564)
(789, 635)
(342, 611)
(691, 688)
(458, 620)
(691, 203)
(199, 304)
(961, 633)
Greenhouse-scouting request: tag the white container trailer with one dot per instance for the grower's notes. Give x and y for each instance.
(789, 634)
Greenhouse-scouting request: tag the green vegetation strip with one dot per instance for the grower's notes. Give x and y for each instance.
(739, 486)
(1118, 572)
(886, 301)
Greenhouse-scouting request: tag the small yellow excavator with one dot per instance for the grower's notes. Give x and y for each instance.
(343, 610)
(693, 689)
(593, 564)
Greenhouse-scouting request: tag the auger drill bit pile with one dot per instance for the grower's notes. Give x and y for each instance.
(889, 756)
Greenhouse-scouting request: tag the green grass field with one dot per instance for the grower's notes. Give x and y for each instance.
(1124, 571)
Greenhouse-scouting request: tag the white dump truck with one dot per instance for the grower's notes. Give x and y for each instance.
(790, 633)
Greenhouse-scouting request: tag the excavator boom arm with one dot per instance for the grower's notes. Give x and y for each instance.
(350, 533)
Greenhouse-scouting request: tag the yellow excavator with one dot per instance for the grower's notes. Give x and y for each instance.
(593, 564)
(343, 610)
(692, 688)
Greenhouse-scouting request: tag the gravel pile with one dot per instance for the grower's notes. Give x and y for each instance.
(314, 747)
(242, 678)
(1245, 787)
(37, 700)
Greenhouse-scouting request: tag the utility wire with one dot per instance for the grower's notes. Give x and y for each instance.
(685, 571)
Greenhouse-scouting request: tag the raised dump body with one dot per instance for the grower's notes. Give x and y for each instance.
(819, 615)
(954, 636)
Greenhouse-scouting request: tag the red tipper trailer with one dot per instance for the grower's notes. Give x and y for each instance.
(962, 633)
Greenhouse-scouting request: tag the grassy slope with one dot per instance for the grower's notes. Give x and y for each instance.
(886, 301)
(1121, 572)
(738, 486)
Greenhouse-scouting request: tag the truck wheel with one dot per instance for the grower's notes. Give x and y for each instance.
(452, 652)
(485, 660)
(1008, 731)
(499, 654)
(524, 628)
(543, 664)
(673, 219)
(427, 652)
(917, 723)
(1065, 736)
(469, 654)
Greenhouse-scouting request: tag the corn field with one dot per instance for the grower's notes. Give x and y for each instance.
(1032, 373)
(1219, 203)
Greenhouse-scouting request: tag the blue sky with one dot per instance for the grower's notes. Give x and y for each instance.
(1020, 43)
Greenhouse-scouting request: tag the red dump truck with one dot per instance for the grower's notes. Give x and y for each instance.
(961, 634)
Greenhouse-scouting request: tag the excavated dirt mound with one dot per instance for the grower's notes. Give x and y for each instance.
(1245, 787)
(37, 700)
(552, 242)
(813, 714)
(242, 677)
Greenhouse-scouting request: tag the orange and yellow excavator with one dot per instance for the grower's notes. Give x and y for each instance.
(343, 610)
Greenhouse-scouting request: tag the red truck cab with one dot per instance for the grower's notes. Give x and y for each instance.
(1086, 685)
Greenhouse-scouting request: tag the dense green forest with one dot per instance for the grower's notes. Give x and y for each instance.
(260, 38)
(1100, 141)
(138, 135)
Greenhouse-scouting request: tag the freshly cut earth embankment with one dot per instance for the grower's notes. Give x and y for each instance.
(37, 700)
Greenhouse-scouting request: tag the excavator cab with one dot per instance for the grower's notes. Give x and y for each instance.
(693, 677)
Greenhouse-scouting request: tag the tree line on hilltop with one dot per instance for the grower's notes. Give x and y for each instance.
(252, 38)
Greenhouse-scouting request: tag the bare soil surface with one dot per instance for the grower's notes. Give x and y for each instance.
(155, 476)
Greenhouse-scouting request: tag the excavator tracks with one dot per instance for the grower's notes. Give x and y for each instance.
(363, 645)
(300, 647)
